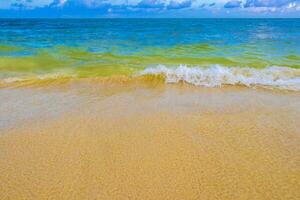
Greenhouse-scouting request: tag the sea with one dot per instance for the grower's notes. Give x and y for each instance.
(201, 52)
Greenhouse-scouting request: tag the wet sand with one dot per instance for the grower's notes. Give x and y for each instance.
(87, 140)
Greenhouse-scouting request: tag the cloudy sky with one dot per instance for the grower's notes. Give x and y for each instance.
(149, 8)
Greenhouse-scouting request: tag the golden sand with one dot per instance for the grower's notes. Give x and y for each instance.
(96, 141)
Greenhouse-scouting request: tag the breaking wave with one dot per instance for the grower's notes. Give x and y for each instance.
(216, 76)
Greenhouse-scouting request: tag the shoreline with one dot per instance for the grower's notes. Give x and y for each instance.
(61, 93)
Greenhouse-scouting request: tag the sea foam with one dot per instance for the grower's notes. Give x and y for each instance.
(217, 75)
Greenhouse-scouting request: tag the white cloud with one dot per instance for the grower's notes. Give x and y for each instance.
(61, 2)
(93, 3)
(294, 5)
(211, 5)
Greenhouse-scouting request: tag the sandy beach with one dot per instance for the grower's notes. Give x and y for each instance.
(92, 139)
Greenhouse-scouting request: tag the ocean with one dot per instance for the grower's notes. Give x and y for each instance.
(203, 52)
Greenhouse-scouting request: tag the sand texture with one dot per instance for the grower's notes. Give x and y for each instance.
(86, 140)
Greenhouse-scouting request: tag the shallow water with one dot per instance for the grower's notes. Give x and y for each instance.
(43, 48)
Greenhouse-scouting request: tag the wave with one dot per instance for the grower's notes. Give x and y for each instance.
(217, 75)
(41, 77)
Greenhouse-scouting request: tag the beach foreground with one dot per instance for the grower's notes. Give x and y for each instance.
(94, 139)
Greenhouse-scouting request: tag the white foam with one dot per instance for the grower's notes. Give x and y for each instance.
(216, 76)
(36, 77)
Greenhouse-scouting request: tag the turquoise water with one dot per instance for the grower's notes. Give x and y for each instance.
(31, 48)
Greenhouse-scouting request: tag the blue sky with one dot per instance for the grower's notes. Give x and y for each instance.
(149, 8)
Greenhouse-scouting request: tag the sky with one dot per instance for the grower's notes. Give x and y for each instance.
(149, 8)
